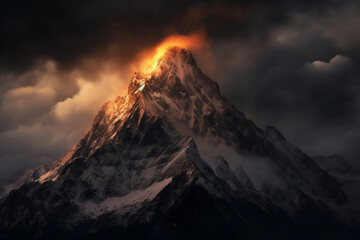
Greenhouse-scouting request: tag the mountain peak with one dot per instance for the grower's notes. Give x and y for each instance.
(172, 62)
(178, 54)
(176, 72)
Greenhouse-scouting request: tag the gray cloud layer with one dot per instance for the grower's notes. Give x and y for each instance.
(292, 64)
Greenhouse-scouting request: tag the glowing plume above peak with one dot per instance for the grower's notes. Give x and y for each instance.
(151, 57)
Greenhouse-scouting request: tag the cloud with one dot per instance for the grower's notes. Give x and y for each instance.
(120, 29)
(315, 103)
(44, 124)
(341, 25)
(305, 80)
(28, 101)
(335, 66)
(334, 62)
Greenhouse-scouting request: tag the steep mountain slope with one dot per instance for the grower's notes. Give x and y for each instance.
(348, 177)
(335, 165)
(172, 160)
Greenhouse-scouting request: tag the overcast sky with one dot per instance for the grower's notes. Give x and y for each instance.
(291, 64)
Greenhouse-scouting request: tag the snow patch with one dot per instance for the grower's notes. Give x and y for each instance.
(260, 170)
(132, 199)
(142, 85)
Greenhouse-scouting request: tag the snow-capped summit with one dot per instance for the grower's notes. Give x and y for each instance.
(173, 159)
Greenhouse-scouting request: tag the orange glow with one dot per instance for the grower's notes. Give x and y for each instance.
(149, 58)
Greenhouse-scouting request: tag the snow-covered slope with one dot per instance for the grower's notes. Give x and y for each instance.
(173, 159)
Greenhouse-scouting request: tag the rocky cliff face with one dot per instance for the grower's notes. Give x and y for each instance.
(173, 159)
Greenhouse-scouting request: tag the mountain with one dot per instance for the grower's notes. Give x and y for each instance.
(335, 165)
(173, 159)
(347, 176)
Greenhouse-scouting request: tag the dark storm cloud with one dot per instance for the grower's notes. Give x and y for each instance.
(292, 64)
(68, 31)
(305, 80)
